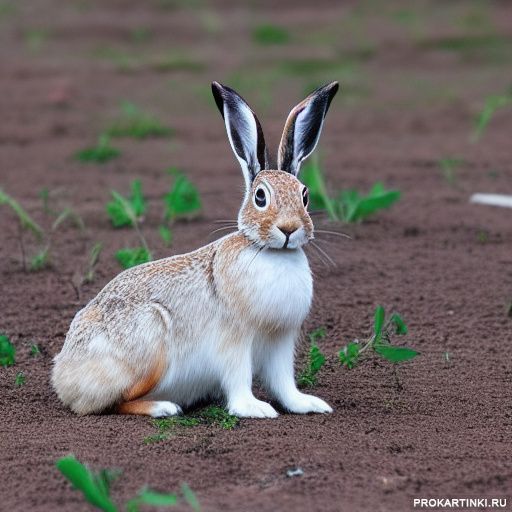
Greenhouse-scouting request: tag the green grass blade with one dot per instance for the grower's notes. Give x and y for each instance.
(83, 480)
(492, 103)
(311, 175)
(190, 497)
(379, 322)
(396, 354)
(157, 499)
(25, 218)
(401, 328)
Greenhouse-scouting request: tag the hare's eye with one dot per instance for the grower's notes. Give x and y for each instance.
(261, 198)
(305, 197)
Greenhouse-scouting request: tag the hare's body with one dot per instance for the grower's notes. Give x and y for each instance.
(165, 334)
(144, 335)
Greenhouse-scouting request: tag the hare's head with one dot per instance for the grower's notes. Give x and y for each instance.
(274, 212)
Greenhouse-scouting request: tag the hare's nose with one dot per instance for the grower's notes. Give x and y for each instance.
(287, 231)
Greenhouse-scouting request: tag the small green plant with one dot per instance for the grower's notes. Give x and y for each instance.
(25, 219)
(35, 38)
(99, 154)
(183, 200)
(267, 34)
(347, 205)
(138, 124)
(211, 415)
(41, 260)
(449, 165)
(127, 212)
(93, 260)
(379, 342)
(7, 351)
(131, 257)
(315, 361)
(20, 380)
(95, 487)
(67, 213)
(492, 103)
(34, 349)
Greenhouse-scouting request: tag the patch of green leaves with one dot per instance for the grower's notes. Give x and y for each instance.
(136, 123)
(101, 153)
(25, 219)
(126, 212)
(348, 205)
(379, 342)
(315, 361)
(7, 351)
(211, 415)
(183, 200)
(268, 34)
(128, 258)
(95, 487)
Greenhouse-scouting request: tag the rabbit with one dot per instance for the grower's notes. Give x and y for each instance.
(166, 334)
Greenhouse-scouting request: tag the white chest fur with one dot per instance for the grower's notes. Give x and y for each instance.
(275, 287)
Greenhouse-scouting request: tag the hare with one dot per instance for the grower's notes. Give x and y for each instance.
(165, 334)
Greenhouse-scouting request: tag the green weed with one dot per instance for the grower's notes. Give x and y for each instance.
(138, 124)
(20, 380)
(7, 351)
(25, 219)
(211, 415)
(34, 349)
(379, 342)
(449, 166)
(95, 487)
(348, 205)
(41, 260)
(101, 153)
(315, 361)
(492, 103)
(93, 260)
(131, 257)
(268, 34)
(183, 200)
(127, 212)
(35, 38)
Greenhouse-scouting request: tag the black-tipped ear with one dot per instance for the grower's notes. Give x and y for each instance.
(244, 131)
(303, 127)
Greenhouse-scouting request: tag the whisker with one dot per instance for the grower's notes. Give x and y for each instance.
(226, 221)
(225, 228)
(317, 212)
(334, 233)
(323, 256)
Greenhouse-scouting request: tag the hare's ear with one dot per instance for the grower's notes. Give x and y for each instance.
(303, 127)
(244, 131)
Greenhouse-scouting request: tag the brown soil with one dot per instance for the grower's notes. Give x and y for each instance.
(443, 263)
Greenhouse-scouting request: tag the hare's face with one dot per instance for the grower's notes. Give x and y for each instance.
(274, 214)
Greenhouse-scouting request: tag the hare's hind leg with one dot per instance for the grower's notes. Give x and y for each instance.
(136, 403)
(154, 408)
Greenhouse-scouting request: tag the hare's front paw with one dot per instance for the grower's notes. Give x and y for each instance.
(253, 408)
(303, 404)
(162, 409)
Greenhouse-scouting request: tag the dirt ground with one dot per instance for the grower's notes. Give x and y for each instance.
(411, 84)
